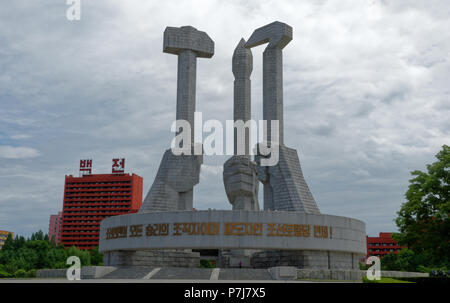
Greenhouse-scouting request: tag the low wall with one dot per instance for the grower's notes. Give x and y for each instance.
(51, 273)
(330, 274)
(398, 274)
(87, 272)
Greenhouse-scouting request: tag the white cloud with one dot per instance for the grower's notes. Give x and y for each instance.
(211, 170)
(19, 152)
(20, 136)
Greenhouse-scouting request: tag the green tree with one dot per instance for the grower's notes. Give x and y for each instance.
(424, 219)
(9, 243)
(84, 255)
(406, 260)
(21, 257)
(96, 257)
(53, 241)
(19, 242)
(37, 236)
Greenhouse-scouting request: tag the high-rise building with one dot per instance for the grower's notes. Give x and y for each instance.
(3, 236)
(90, 198)
(54, 227)
(382, 245)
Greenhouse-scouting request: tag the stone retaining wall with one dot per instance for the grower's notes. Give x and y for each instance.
(51, 273)
(87, 272)
(399, 274)
(305, 259)
(327, 274)
(152, 258)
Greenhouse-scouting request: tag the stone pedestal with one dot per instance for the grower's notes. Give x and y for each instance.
(306, 259)
(152, 258)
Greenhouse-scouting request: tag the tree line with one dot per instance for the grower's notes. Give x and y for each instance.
(21, 258)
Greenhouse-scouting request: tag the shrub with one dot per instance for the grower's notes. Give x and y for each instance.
(4, 274)
(31, 273)
(207, 264)
(21, 273)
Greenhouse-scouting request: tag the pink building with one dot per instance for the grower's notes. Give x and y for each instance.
(54, 228)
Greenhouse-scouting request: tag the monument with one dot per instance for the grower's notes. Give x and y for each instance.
(177, 175)
(239, 172)
(288, 231)
(284, 185)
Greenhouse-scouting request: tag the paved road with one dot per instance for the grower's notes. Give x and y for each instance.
(155, 281)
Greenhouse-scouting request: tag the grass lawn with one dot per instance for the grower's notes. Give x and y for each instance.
(385, 280)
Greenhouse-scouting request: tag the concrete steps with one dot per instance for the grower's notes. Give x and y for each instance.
(183, 273)
(180, 273)
(129, 273)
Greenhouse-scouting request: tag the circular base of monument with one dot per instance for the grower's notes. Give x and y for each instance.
(306, 259)
(152, 258)
(274, 238)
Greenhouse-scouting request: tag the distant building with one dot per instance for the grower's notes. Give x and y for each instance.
(3, 236)
(382, 245)
(90, 198)
(54, 227)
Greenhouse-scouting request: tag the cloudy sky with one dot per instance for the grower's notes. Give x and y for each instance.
(366, 96)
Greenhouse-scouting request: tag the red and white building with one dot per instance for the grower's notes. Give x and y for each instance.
(54, 228)
(382, 245)
(90, 198)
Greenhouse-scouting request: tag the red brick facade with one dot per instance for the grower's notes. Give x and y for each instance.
(382, 245)
(91, 198)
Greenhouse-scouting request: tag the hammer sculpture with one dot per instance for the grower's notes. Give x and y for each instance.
(178, 174)
(284, 185)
